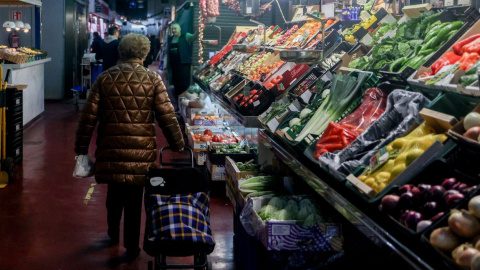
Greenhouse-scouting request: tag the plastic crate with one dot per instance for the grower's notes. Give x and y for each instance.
(15, 149)
(434, 174)
(453, 104)
(435, 151)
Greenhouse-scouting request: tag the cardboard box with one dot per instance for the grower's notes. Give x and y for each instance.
(217, 171)
(457, 130)
(414, 11)
(233, 174)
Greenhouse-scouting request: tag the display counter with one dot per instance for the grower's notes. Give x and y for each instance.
(31, 74)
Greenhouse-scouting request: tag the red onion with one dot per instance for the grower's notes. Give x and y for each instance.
(424, 188)
(453, 199)
(389, 203)
(437, 216)
(430, 209)
(459, 186)
(407, 201)
(449, 182)
(436, 193)
(468, 190)
(407, 188)
(412, 219)
(422, 225)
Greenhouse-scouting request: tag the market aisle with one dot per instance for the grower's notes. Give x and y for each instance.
(46, 222)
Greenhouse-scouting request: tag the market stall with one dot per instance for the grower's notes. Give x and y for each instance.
(378, 117)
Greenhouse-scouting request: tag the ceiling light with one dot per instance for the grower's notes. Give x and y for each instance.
(26, 28)
(9, 25)
(19, 25)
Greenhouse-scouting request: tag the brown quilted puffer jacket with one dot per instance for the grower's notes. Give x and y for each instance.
(125, 99)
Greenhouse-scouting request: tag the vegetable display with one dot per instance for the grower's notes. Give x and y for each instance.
(460, 239)
(304, 212)
(401, 153)
(338, 136)
(345, 89)
(412, 204)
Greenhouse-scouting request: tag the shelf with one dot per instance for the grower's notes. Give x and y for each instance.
(246, 121)
(362, 222)
(29, 64)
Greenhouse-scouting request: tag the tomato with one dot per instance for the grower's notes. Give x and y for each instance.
(217, 138)
(243, 103)
(208, 132)
(206, 138)
(279, 77)
(197, 136)
(254, 98)
(250, 101)
(245, 99)
(236, 98)
(269, 85)
(253, 92)
(274, 81)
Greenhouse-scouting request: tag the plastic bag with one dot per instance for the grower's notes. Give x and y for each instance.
(84, 167)
(403, 110)
(338, 136)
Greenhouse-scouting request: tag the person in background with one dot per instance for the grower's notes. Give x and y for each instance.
(126, 139)
(179, 61)
(155, 44)
(96, 43)
(149, 60)
(109, 49)
(105, 34)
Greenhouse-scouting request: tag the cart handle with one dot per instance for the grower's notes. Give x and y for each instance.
(185, 149)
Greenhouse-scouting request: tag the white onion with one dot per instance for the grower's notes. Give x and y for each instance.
(474, 206)
(471, 120)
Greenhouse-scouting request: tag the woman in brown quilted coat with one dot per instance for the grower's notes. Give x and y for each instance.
(124, 101)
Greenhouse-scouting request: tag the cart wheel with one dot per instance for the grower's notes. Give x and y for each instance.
(9, 167)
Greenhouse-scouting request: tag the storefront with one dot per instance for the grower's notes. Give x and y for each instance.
(367, 119)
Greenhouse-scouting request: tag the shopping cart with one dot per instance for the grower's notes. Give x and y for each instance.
(178, 215)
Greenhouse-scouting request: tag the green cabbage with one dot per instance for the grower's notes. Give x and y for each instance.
(305, 211)
(312, 219)
(267, 212)
(292, 202)
(292, 211)
(305, 202)
(277, 202)
(283, 214)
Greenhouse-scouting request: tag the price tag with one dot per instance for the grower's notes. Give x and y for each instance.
(293, 81)
(256, 103)
(273, 124)
(306, 96)
(295, 106)
(380, 158)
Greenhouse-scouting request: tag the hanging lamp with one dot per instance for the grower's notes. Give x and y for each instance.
(18, 24)
(26, 26)
(9, 24)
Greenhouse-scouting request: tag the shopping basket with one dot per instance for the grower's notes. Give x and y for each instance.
(178, 215)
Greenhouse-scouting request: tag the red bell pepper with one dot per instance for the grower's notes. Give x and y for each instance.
(457, 48)
(449, 58)
(468, 60)
(472, 47)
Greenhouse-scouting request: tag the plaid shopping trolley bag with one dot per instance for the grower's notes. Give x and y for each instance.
(178, 215)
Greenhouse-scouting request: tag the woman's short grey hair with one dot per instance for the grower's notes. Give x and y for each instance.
(134, 46)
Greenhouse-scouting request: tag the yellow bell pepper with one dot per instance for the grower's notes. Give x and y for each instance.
(402, 151)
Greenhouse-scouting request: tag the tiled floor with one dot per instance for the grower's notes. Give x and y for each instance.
(46, 219)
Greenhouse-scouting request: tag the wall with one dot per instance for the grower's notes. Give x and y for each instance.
(26, 39)
(53, 36)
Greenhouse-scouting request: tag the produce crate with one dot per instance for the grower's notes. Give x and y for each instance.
(453, 104)
(443, 259)
(436, 150)
(457, 131)
(434, 174)
(233, 172)
(307, 80)
(217, 172)
(219, 158)
(310, 150)
(257, 107)
(323, 241)
(289, 77)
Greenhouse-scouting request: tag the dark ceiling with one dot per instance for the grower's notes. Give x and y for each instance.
(132, 9)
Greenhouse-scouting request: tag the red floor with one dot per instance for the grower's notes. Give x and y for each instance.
(46, 222)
